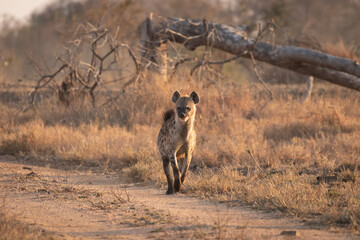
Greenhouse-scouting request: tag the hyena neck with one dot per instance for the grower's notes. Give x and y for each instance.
(185, 129)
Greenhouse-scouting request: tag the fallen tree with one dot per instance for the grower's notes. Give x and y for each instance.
(194, 33)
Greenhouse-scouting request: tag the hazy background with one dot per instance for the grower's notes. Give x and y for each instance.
(21, 9)
(39, 29)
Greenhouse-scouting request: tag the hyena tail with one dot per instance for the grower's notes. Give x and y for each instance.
(168, 114)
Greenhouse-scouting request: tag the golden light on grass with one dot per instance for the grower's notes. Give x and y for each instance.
(291, 144)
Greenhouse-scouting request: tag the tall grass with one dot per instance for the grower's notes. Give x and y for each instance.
(250, 150)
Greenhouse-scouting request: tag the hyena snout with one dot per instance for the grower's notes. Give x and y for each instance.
(183, 113)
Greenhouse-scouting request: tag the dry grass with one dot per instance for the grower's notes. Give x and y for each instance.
(10, 228)
(293, 144)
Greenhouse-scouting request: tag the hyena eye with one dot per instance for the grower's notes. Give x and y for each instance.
(188, 108)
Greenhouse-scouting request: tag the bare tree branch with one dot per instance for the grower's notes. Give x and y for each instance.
(78, 74)
(40, 85)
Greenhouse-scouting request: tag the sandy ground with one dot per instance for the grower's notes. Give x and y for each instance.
(94, 205)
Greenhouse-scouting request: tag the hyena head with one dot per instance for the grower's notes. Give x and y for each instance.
(185, 106)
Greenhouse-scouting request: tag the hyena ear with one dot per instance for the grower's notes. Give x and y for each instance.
(175, 96)
(195, 97)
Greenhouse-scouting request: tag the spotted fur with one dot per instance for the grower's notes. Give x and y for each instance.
(176, 139)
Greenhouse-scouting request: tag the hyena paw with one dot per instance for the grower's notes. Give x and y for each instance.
(170, 191)
(177, 185)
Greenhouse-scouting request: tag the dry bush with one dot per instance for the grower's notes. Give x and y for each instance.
(288, 193)
(340, 49)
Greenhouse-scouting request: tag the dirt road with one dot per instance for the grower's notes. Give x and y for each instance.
(90, 205)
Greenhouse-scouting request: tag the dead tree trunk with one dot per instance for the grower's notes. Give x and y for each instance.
(195, 33)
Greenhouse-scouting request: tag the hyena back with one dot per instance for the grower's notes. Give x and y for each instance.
(176, 139)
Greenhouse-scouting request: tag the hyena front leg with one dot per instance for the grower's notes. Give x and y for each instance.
(176, 171)
(185, 165)
(166, 165)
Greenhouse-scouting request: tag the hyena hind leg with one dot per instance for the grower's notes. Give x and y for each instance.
(166, 165)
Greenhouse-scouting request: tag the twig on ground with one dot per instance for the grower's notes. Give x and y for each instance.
(254, 159)
(259, 77)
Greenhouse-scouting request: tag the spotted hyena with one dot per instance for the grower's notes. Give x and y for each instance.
(176, 139)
